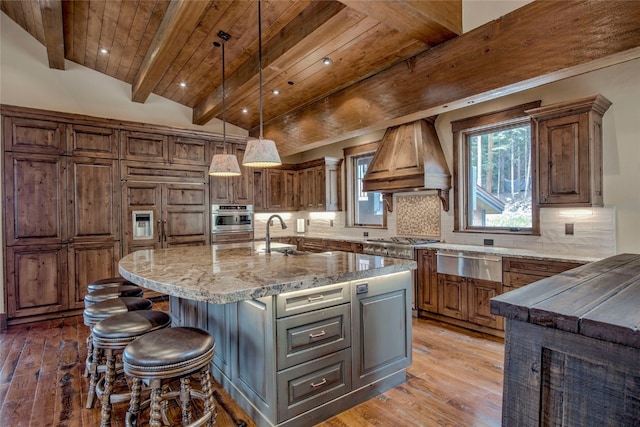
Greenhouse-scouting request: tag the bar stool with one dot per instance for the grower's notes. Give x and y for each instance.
(170, 354)
(112, 292)
(110, 337)
(109, 290)
(100, 311)
(108, 283)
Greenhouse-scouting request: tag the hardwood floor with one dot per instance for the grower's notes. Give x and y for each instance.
(455, 380)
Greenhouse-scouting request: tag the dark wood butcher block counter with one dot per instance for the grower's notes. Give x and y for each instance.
(572, 347)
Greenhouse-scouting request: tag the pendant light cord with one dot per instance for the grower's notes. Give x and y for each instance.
(260, 60)
(224, 110)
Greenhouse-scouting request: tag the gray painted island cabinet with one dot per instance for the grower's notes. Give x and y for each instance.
(300, 357)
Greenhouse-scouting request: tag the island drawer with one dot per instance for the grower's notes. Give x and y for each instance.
(307, 336)
(311, 384)
(297, 302)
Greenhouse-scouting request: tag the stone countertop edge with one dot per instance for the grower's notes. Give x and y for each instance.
(492, 250)
(195, 283)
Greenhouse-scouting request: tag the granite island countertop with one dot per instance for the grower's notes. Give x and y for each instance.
(230, 273)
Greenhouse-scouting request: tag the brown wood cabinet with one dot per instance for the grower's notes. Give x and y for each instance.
(178, 214)
(275, 189)
(518, 272)
(237, 189)
(467, 299)
(61, 212)
(427, 281)
(569, 152)
(319, 186)
(309, 186)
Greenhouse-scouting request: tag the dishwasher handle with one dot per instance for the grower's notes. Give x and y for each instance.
(482, 258)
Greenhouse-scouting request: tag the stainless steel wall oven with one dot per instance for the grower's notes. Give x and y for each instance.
(231, 219)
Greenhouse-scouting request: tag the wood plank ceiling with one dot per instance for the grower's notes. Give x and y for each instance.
(393, 60)
(155, 45)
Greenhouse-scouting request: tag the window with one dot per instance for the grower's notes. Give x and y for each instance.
(494, 177)
(364, 208)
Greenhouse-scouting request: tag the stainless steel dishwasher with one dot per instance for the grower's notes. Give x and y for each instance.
(470, 264)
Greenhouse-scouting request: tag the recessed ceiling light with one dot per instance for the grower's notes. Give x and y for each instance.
(327, 61)
(275, 92)
(183, 84)
(245, 110)
(104, 51)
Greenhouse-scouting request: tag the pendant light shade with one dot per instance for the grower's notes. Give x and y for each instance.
(261, 153)
(224, 164)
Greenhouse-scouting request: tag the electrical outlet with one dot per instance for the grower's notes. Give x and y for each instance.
(568, 229)
(488, 242)
(330, 223)
(365, 234)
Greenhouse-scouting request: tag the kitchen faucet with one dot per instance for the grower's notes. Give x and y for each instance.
(267, 239)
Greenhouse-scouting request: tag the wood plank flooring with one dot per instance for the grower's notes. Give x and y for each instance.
(455, 380)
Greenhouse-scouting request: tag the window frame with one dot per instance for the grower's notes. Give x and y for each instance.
(350, 154)
(461, 130)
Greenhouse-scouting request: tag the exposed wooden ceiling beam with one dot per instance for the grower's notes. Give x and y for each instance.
(315, 19)
(176, 27)
(537, 44)
(51, 11)
(430, 21)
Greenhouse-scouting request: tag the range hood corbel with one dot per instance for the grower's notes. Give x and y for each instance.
(409, 158)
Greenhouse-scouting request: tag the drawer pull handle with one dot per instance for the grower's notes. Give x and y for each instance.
(318, 335)
(315, 298)
(321, 383)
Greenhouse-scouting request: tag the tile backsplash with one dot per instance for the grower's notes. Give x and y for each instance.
(421, 215)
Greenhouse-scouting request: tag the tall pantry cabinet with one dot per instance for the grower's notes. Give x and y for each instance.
(61, 210)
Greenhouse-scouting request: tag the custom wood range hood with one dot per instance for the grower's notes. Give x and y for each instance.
(409, 158)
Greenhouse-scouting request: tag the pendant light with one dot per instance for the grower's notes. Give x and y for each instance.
(261, 153)
(224, 164)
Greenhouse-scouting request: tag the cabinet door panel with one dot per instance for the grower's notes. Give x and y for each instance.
(381, 319)
(145, 197)
(427, 282)
(145, 146)
(32, 135)
(188, 151)
(564, 160)
(93, 198)
(480, 293)
(36, 280)
(275, 189)
(185, 213)
(92, 141)
(243, 184)
(36, 199)
(89, 262)
(452, 296)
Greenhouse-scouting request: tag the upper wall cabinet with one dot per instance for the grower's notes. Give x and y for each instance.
(30, 135)
(319, 183)
(569, 151)
(92, 141)
(237, 189)
(164, 147)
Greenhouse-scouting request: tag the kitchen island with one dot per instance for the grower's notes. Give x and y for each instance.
(299, 336)
(572, 347)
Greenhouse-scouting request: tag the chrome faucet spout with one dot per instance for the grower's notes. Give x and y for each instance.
(267, 239)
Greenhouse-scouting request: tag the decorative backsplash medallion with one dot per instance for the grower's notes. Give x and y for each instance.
(418, 215)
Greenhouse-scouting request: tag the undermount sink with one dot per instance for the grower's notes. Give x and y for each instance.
(289, 251)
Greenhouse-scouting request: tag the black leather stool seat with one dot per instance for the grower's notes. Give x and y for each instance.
(104, 309)
(115, 330)
(113, 292)
(168, 352)
(108, 283)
